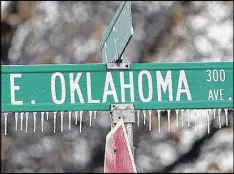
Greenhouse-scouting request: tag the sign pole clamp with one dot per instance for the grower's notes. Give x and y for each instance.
(127, 113)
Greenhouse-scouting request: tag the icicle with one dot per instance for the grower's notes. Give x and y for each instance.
(76, 114)
(81, 115)
(34, 121)
(158, 111)
(90, 118)
(214, 112)
(195, 120)
(188, 117)
(144, 115)
(26, 123)
(16, 120)
(21, 121)
(69, 121)
(62, 120)
(6, 115)
(177, 118)
(94, 114)
(54, 121)
(42, 121)
(169, 121)
(208, 121)
(226, 116)
(47, 115)
(182, 117)
(219, 113)
(201, 113)
(138, 117)
(150, 118)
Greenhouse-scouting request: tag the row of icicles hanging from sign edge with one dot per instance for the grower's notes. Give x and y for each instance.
(208, 113)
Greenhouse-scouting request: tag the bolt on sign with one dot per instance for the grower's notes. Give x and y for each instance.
(118, 33)
(118, 154)
(93, 87)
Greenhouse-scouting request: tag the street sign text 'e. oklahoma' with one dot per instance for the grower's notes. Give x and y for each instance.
(118, 33)
(94, 87)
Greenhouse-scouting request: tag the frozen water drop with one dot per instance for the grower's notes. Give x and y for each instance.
(150, 119)
(208, 121)
(195, 120)
(158, 111)
(90, 118)
(169, 120)
(47, 115)
(42, 121)
(182, 117)
(6, 115)
(188, 117)
(76, 115)
(226, 116)
(94, 114)
(26, 123)
(219, 114)
(138, 118)
(177, 118)
(61, 121)
(214, 112)
(69, 117)
(55, 121)
(21, 121)
(81, 115)
(34, 121)
(16, 120)
(144, 115)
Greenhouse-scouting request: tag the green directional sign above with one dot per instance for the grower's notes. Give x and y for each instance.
(118, 33)
(94, 87)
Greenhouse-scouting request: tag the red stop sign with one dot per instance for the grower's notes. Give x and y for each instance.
(118, 154)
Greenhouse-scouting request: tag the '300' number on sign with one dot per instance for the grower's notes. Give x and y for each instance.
(215, 75)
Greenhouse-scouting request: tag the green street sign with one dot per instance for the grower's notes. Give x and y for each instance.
(118, 33)
(94, 87)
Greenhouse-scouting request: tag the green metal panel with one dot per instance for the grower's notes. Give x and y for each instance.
(118, 33)
(203, 85)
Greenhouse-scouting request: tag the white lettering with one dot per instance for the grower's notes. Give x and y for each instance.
(14, 88)
(63, 90)
(210, 97)
(124, 86)
(89, 90)
(150, 87)
(164, 84)
(109, 82)
(183, 79)
(74, 86)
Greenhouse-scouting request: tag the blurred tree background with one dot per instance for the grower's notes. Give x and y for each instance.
(69, 32)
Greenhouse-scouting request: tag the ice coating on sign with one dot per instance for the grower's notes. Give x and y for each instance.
(26, 123)
(34, 121)
(226, 116)
(158, 120)
(150, 118)
(208, 121)
(219, 113)
(61, 121)
(69, 121)
(90, 118)
(6, 115)
(138, 118)
(169, 121)
(54, 121)
(94, 114)
(182, 117)
(42, 121)
(177, 118)
(16, 120)
(21, 121)
(81, 115)
(76, 115)
(144, 115)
